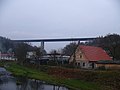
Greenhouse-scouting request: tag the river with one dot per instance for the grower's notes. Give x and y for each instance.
(19, 83)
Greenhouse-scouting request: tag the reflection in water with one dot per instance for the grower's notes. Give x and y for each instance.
(26, 84)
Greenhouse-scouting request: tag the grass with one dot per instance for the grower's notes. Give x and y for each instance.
(77, 84)
(73, 84)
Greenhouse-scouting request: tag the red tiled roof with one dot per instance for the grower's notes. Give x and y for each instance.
(94, 53)
(6, 54)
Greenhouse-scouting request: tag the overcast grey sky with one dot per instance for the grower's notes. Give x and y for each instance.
(30, 19)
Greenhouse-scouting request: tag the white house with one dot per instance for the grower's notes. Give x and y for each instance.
(7, 56)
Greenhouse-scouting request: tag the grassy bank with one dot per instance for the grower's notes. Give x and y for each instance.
(73, 84)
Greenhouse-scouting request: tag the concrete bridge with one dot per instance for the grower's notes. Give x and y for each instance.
(42, 41)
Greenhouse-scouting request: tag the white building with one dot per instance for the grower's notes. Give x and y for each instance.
(7, 56)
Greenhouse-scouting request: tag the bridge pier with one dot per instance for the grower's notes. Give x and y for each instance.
(42, 46)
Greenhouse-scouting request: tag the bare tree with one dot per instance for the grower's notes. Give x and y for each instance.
(110, 43)
(69, 49)
(21, 51)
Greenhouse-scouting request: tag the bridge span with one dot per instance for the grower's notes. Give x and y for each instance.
(54, 40)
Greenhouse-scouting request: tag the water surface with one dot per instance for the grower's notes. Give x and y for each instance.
(11, 83)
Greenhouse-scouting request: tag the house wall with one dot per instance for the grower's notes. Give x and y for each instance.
(79, 55)
(8, 58)
(80, 59)
(109, 66)
(82, 64)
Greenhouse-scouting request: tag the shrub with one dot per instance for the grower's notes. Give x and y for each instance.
(101, 68)
(52, 63)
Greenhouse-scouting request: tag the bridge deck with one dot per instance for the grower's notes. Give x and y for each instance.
(55, 40)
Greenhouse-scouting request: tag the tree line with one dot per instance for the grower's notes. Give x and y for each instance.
(110, 43)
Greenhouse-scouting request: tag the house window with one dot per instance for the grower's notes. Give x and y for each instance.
(78, 64)
(93, 65)
(83, 64)
(80, 55)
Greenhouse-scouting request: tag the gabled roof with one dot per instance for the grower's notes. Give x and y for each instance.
(94, 53)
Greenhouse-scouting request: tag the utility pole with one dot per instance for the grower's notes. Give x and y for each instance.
(0, 55)
(74, 56)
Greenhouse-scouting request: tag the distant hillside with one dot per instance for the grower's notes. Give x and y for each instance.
(6, 44)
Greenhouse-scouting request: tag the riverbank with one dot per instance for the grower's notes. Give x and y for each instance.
(75, 79)
(73, 84)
